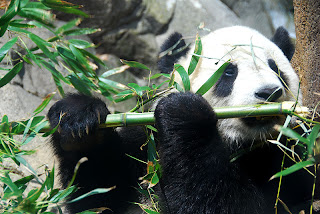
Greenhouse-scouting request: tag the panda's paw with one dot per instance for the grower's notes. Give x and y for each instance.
(185, 112)
(78, 116)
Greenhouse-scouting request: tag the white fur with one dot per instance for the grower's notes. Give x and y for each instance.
(236, 44)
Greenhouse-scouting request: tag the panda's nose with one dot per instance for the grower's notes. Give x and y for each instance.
(269, 94)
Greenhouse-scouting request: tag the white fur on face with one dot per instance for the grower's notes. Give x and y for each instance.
(249, 51)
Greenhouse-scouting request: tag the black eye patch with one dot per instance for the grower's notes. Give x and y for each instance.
(224, 85)
(272, 64)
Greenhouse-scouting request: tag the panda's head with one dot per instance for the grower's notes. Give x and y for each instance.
(259, 71)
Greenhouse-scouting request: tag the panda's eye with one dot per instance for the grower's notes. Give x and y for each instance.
(231, 70)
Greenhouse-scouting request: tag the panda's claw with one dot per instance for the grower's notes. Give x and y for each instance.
(78, 117)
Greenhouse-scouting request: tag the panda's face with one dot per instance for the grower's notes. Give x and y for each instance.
(259, 72)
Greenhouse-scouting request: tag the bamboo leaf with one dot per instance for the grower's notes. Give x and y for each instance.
(149, 211)
(44, 103)
(13, 9)
(212, 80)
(160, 75)
(93, 192)
(113, 71)
(184, 76)
(64, 6)
(6, 47)
(80, 31)
(11, 74)
(312, 138)
(3, 29)
(79, 57)
(134, 64)
(42, 45)
(138, 90)
(43, 16)
(14, 190)
(293, 168)
(124, 95)
(93, 57)
(195, 58)
(113, 84)
(79, 43)
(68, 25)
(49, 66)
(292, 134)
(79, 85)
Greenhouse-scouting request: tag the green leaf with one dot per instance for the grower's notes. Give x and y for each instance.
(43, 16)
(14, 190)
(292, 134)
(93, 57)
(312, 138)
(49, 182)
(6, 47)
(37, 5)
(159, 75)
(150, 211)
(63, 194)
(56, 74)
(80, 31)
(113, 84)
(79, 85)
(212, 80)
(184, 76)
(79, 43)
(138, 89)
(114, 71)
(11, 74)
(42, 45)
(21, 25)
(44, 103)
(93, 192)
(79, 57)
(68, 25)
(134, 64)
(3, 29)
(124, 95)
(64, 6)
(293, 168)
(195, 58)
(13, 9)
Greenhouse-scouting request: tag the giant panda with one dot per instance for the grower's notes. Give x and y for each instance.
(194, 147)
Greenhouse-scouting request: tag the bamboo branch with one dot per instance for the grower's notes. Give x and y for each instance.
(258, 110)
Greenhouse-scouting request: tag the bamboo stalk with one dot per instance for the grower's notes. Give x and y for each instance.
(258, 110)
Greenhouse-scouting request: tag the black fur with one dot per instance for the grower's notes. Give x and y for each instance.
(107, 164)
(166, 62)
(272, 64)
(224, 85)
(282, 40)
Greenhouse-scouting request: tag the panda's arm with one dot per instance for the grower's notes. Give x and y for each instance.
(78, 136)
(197, 174)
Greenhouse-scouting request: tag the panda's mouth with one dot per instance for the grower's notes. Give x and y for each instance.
(260, 121)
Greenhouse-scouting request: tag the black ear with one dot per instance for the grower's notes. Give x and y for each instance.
(172, 49)
(282, 40)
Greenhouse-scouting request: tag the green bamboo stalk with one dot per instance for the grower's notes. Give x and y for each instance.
(258, 110)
